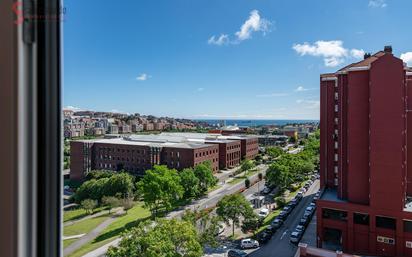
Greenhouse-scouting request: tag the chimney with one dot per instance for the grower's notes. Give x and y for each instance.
(388, 49)
(367, 55)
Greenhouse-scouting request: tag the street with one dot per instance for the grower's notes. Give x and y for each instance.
(279, 245)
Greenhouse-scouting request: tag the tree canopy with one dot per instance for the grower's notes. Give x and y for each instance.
(161, 238)
(231, 208)
(160, 189)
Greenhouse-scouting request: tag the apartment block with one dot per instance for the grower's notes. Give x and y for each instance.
(365, 165)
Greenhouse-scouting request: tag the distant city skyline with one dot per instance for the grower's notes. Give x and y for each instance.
(219, 60)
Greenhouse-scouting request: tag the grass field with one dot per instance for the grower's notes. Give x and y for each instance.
(114, 230)
(84, 226)
(68, 242)
(78, 214)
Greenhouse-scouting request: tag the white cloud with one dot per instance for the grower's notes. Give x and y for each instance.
(143, 77)
(255, 23)
(357, 53)
(309, 104)
(407, 57)
(332, 52)
(73, 108)
(302, 89)
(273, 95)
(200, 89)
(377, 3)
(223, 39)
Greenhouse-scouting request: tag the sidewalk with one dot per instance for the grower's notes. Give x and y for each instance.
(97, 214)
(91, 235)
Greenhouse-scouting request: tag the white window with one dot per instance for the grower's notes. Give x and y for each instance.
(336, 169)
(336, 95)
(336, 145)
(336, 131)
(336, 157)
(336, 108)
(336, 181)
(336, 121)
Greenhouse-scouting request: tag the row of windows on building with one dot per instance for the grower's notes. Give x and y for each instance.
(232, 147)
(363, 219)
(204, 153)
(103, 150)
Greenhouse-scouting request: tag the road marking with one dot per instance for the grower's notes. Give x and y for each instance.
(284, 234)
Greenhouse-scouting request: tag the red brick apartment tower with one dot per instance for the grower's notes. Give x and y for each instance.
(366, 180)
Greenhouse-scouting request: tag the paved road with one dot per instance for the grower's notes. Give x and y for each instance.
(280, 245)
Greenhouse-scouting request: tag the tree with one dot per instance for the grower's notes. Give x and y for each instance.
(117, 184)
(127, 203)
(89, 205)
(190, 184)
(231, 208)
(168, 238)
(204, 173)
(247, 183)
(111, 202)
(274, 152)
(280, 201)
(251, 223)
(279, 174)
(160, 188)
(247, 165)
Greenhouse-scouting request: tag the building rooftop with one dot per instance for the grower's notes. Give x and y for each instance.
(151, 141)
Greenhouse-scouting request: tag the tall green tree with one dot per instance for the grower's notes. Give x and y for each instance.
(190, 183)
(247, 165)
(274, 152)
(161, 238)
(231, 208)
(204, 173)
(160, 188)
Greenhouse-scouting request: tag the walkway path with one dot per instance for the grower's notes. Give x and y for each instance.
(91, 235)
(97, 214)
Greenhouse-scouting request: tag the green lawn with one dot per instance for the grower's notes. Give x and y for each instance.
(78, 214)
(68, 242)
(242, 177)
(114, 230)
(84, 226)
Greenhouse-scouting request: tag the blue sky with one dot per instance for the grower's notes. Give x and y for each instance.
(249, 59)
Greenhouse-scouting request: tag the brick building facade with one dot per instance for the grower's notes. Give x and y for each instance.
(137, 156)
(364, 160)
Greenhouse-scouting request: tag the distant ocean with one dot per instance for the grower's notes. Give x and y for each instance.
(255, 123)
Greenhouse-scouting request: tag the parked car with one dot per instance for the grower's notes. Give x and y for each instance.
(248, 243)
(292, 204)
(304, 221)
(309, 210)
(282, 215)
(270, 230)
(236, 253)
(287, 209)
(264, 237)
(263, 213)
(300, 228)
(299, 196)
(276, 223)
(313, 205)
(295, 237)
